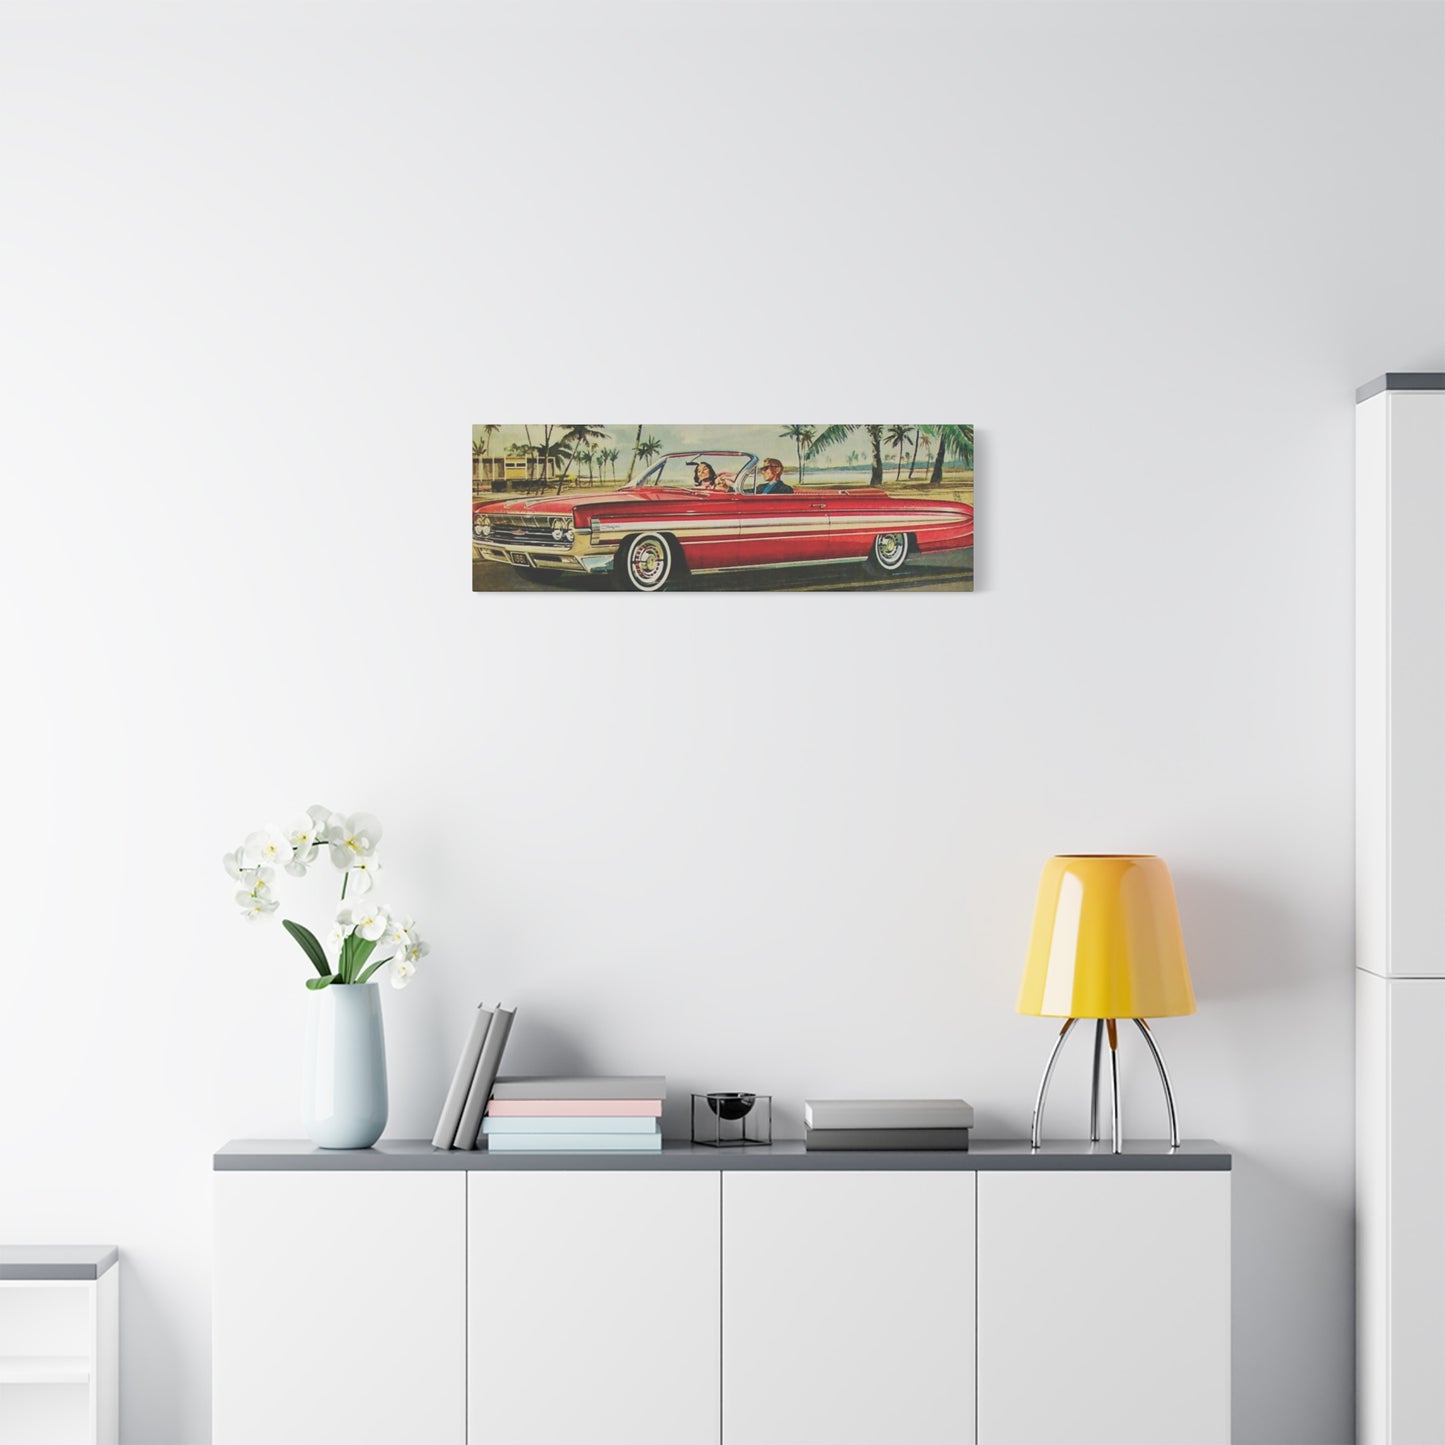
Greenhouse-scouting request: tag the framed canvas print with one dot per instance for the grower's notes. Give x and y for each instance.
(722, 508)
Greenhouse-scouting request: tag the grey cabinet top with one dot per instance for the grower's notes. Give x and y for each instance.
(1401, 381)
(1154, 1154)
(56, 1261)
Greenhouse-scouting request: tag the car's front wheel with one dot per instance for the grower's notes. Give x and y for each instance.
(888, 553)
(645, 562)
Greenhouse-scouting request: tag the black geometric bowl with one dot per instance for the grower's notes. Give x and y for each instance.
(731, 1106)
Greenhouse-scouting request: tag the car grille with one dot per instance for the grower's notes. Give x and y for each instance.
(530, 531)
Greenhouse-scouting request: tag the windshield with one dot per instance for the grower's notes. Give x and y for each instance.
(731, 471)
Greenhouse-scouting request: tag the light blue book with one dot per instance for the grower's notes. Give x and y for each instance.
(575, 1143)
(566, 1125)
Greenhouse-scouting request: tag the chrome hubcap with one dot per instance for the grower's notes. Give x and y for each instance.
(890, 550)
(648, 561)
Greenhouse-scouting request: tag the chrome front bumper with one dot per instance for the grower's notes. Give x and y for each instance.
(549, 559)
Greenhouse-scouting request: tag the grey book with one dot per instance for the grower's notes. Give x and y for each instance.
(586, 1086)
(888, 1113)
(446, 1134)
(488, 1062)
(885, 1138)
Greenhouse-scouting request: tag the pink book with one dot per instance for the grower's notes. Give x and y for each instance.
(575, 1108)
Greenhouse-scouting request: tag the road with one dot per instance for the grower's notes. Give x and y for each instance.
(943, 572)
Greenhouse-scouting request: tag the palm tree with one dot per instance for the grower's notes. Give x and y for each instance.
(800, 436)
(954, 441)
(830, 436)
(578, 439)
(612, 455)
(913, 460)
(644, 452)
(900, 436)
(481, 448)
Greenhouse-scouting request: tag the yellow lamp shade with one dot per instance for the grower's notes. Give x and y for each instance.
(1106, 942)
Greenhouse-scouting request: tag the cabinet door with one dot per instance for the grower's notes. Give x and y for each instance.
(339, 1308)
(592, 1308)
(1400, 683)
(848, 1308)
(1103, 1307)
(1399, 1183)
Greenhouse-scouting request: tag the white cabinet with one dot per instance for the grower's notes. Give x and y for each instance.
(847, 1308)
(1400, 909)
(592, 1307)
(339, 1308)
(1103, 1308)
(59, 1365)
(702, 1297)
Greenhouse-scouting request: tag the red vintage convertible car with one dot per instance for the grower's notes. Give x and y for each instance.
(705, 511)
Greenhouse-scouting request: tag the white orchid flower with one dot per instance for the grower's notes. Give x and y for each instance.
(402, 932)
(342, 927)
(372, 922)
(414, 952)
(401, 972)
(235, 863)
(303, 835)
(363, 873)
(255, 906)
(269, 848)
(352, 838)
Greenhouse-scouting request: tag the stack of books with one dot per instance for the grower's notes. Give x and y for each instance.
(460, 1125)
(568, 1114)
(886, 1123)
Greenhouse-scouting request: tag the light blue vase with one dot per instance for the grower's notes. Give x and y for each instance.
(343, 1103)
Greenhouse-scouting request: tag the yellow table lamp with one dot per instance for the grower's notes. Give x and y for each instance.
(1106, 945)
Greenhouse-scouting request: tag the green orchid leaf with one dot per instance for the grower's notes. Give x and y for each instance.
(309, 945)
(320, 982)
(380, 962)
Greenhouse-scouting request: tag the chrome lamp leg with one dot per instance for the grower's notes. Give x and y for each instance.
(1114, 1079)
(1094, 1092)
(1163, 1079)
(1044, 1082)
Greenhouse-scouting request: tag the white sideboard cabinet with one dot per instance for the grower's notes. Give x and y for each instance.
(1400, 908)
(403, 1295)
(59, 1345)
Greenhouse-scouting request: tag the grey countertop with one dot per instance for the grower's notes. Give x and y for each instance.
(290, 1154)
(56, 1261)
(1401, 381)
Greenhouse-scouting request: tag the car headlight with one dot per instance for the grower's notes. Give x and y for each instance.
(562, 529)
(482, 527)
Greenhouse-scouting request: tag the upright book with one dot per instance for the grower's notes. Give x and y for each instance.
(446, 1131)
(488, 1062)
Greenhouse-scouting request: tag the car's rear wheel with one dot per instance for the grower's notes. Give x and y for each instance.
(645, 563)
(888, 553)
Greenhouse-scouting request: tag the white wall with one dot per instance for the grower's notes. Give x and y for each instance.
(264, 266)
